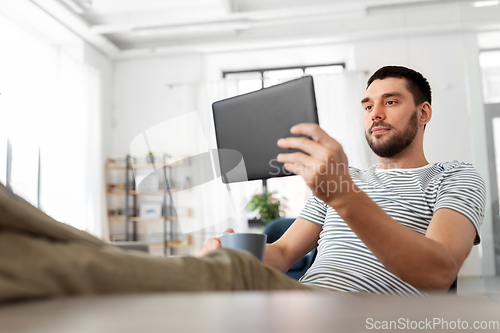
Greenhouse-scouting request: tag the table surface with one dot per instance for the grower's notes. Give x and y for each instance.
(290, 311)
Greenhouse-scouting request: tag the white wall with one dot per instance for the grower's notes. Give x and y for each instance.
(148, 92)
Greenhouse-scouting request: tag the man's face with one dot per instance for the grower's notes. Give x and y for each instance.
(391, 117)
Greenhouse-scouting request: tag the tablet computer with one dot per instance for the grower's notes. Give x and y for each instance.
(252, 123)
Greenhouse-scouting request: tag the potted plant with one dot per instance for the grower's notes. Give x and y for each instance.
(268, 206)
(150, 158)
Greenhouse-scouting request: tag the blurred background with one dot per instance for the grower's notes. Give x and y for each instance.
(83, 83)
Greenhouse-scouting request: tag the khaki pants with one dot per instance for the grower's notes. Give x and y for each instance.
(40, 257)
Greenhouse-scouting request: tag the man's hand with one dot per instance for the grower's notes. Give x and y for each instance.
(325, 170)
(213, 243)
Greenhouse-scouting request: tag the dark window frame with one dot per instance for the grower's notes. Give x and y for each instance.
(262, 71)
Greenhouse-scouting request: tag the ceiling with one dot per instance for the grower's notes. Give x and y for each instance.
(134, 27)
(131, 24)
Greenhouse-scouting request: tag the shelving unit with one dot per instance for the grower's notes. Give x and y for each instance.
(130, 194)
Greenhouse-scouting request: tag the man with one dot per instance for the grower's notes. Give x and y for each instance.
(400, 227)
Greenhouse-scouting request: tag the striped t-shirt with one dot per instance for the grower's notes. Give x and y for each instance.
(410, 196)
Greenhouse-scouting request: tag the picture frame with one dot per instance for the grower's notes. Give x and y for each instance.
(150, 209)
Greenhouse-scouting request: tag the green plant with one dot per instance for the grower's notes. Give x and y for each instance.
(268, 206)
(150, 157)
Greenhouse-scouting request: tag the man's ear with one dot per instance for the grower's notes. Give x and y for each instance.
(425, 114)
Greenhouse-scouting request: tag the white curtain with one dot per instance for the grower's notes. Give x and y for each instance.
(340, 114)
(50, 102)
(338, 97)
(234, 213)
(71, 186)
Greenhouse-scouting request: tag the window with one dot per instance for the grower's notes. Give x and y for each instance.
(252, 80)
(490, 67)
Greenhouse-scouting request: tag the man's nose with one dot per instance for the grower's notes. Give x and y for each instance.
(378, 113)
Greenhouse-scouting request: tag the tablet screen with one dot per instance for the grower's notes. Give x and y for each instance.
(252, 123)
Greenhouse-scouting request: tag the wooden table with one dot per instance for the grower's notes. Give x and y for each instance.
(253, 312)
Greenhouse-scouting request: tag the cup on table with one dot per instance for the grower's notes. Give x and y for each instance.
(253, 243)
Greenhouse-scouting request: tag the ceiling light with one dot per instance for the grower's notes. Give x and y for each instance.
(75, 6)
(192, 28)
(486, 3)
(420, 3)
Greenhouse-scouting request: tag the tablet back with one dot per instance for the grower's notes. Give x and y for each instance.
(252, 124)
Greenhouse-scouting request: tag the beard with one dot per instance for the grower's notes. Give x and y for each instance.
(399, 141)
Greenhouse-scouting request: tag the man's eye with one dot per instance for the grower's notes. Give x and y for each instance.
(390, 102)
(368, 108)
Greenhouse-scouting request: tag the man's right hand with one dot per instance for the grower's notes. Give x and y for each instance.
(213, 243)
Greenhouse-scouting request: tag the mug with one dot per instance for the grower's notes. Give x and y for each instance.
(253, 243)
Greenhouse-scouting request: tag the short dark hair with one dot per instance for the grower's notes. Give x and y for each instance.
(416, 83)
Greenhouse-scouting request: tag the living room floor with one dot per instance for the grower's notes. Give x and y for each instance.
(468, 286)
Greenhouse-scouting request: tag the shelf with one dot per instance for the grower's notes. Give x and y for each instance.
(127, 190)
(111, 164)
(174, 243)
(142, 219)
(134, 192)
